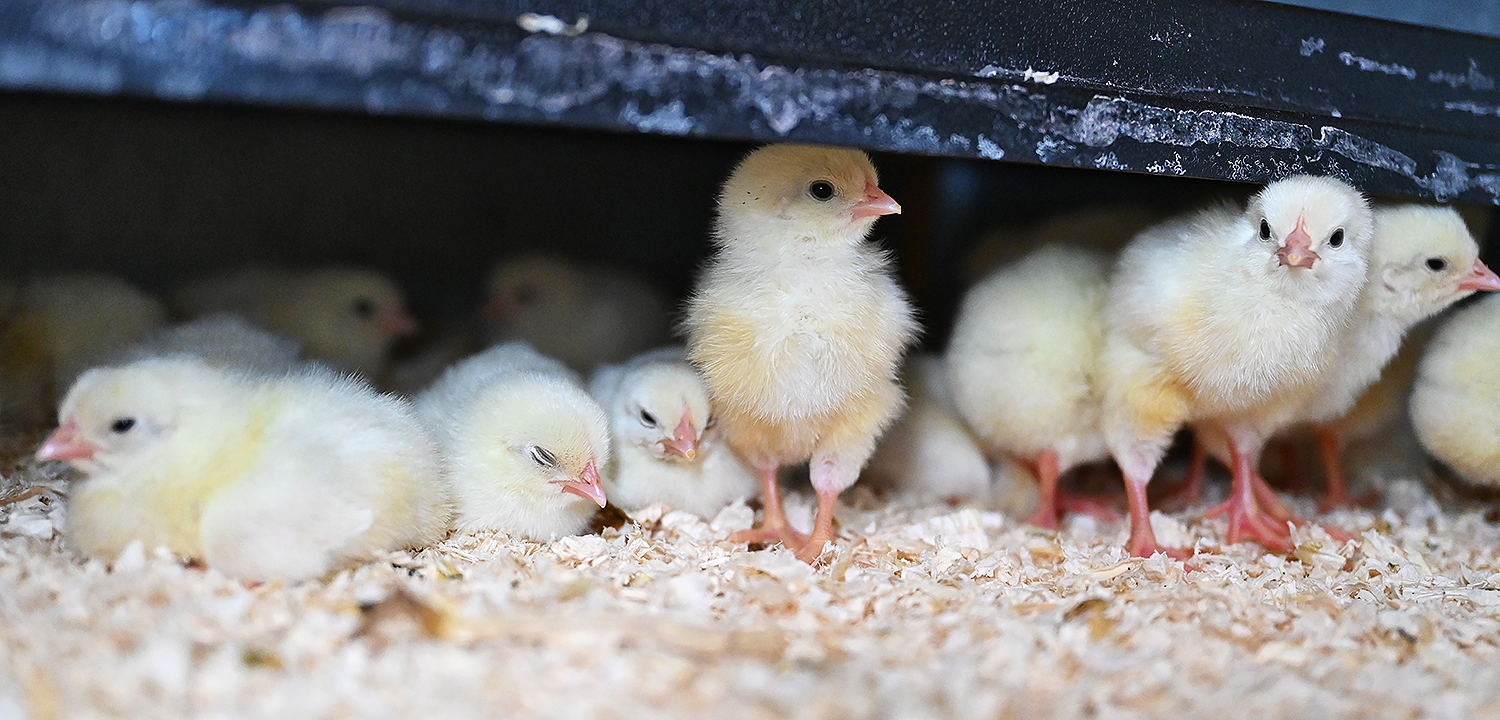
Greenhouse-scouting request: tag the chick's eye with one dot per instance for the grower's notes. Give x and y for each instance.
(821, 190)
(1265, 229)
(122, 425)
(1337, 239)
(364, 307)
(712, 421)
(1437, 264)
(543, 457)
(647, 418)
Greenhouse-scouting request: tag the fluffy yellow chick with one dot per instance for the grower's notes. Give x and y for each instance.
(930, 454)
(1455, 401)
(583, 316)
(263, 478)
(1227, 318)
(221, 340)
(523, 443)
(347, 317)
(59, 327)
(667, 447)
(798, 326)
(1106, 228)
(1022, 358)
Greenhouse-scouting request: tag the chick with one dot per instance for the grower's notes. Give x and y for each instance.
(523, 443)
(667, 447)
(347, 317)
(1423, 260)
(59, 327)
(264, 478)
(221, 340)
(1023, 357)
(930, 454)
(1228, 318)
(798, 327)
(1455, 401)
(583, 316)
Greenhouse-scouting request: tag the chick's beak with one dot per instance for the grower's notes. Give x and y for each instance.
(876, 203)
(396, 324)
(1297, 252)
(685, 442)
(1482, 278)
(586, 485)
(65, 444)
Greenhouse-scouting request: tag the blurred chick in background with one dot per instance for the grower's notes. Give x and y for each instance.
(583, 316)
(798, 327)
(1455, 401)
(523, 443)
(346, 317)
(221, 340)
(930, 454)
(666, 447)
(263, 478)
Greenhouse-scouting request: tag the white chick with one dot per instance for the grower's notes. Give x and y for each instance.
(523, 443)
(347, 317)
(1455, 402)
(1023, 358)
(1423, 260)
(1227, 317)
(930, 454)
(798, 327)
(667, 447)
(264, 478)
(63, 325)
(583, 316)
(221, 340)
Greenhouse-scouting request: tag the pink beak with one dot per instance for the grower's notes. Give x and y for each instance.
(1298, 249)
(586, 486)
(685, 444)
(1482, 279)
(396, 324)
(876, 203)
(64, 444)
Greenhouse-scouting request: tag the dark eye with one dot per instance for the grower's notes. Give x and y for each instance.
(1337, 239)
(122, 425)
(647, 418)
(1265, 229)
(542, 457)
(364, 307)
(1437, 264)
(821, 190)
(712, 421)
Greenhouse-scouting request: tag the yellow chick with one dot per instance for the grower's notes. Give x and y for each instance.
(221, 340)
(667, 447)
(930, 454)
(798, 327)
(1455, 401)
(1226, 318)
(62, 325)
(347, 317)
(523, 443)
(263, 478)
(583, 316)
(1023, 361)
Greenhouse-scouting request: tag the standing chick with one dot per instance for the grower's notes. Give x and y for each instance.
(798, 327)
(1228, 317)
(282, 478)
(1455, 402)
(1023, 359)
(929, 453)
(666, 445)
(347, 317)
(523, 443)
(583, 316)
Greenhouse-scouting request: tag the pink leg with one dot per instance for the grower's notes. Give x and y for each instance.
(1045, 470)
(773, 526)
(1331, 448)
(1246, 519)
(828, 480)
(1191, 490)
(1142, 538)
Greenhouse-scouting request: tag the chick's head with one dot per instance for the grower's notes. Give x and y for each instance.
(531, 286)
(820, 194)
(350, 316)
(1424, 260)
(662, 408)
(546, 437)
(1315, 228)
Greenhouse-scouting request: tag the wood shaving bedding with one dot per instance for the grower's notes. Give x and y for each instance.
(916, 612)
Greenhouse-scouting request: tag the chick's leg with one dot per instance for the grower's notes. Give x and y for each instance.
(1137, 468)
(1247, 521)
(830, 476)
(1045, 471)
(1331, 447)
(773, 526)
